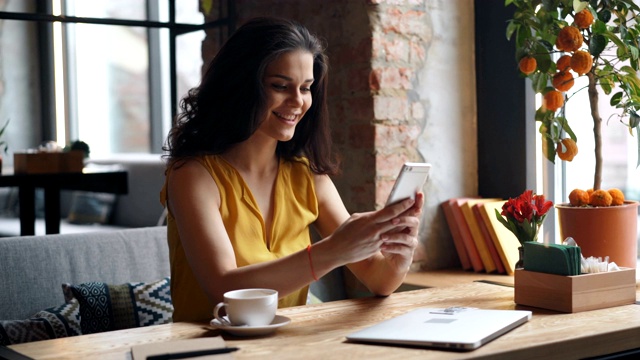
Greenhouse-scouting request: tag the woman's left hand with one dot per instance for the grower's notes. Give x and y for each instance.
(400, 244)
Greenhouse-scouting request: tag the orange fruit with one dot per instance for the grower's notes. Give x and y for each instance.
(583, 19)
(564, 63)
(617, 197)
(553, 100)
(578, 197)
(600, 198)
(567, 149)
(581, 62)
(590, 191)
(569, 39)
(563, 81)
(528, 64)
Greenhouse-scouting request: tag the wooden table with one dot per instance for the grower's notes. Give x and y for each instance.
(107, 180)
(318, 331)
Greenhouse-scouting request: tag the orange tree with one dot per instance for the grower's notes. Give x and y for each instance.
(560, 40)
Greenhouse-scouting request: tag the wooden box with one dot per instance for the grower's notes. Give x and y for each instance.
(48, 162)
(575, 293)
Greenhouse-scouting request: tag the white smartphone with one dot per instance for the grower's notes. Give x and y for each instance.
(411, 179)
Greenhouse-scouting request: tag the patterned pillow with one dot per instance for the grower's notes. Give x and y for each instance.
(91, 208)
(105, 307)
(52, 323)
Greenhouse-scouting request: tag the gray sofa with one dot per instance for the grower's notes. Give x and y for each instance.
(33, 268)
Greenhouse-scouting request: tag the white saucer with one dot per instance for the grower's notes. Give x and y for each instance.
(246, 330)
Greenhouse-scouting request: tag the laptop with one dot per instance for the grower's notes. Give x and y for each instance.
(459, 328)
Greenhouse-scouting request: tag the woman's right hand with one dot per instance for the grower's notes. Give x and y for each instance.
(362, 235)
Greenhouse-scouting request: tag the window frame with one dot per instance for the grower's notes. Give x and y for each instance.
(44, 18)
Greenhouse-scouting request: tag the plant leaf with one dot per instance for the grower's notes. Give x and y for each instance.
(598, 44)
(615, 99)
(579, 5)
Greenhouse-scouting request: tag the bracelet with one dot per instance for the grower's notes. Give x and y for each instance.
(313, 273)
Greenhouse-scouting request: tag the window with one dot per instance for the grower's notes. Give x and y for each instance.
(112, 82)
(110, 72)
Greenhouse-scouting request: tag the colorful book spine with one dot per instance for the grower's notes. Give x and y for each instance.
(465, 234)
(486, 236)
(505, 241)
(476, 235)
(455, 233)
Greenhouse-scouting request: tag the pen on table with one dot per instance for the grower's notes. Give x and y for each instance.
(190, 354)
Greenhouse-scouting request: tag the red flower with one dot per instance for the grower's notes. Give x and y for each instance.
(524, 215)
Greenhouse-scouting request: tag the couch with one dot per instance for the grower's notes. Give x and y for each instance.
(33, 270)
(140, 207)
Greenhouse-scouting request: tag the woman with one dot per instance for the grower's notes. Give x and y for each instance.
(248, 173)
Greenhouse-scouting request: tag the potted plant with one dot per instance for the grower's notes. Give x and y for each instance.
(3, 143)
(556, 42)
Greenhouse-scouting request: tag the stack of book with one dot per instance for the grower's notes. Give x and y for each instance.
(482, 242)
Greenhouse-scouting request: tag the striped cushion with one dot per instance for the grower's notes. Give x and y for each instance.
(105, 307)
(52, 323)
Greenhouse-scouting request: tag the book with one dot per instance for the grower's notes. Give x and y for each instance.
(476, 235)
(465, 234)
(455, 234)
(506, 242)
(486, 236)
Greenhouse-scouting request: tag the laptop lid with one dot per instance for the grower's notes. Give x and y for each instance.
(451, 328)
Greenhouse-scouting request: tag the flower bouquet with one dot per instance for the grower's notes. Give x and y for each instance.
(524, 215)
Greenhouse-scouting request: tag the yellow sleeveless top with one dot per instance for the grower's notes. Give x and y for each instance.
(295, 207)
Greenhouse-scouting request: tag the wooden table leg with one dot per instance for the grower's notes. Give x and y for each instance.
(27, 199)
(52, 210)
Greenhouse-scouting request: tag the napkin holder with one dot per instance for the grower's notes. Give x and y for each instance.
(576, 293)
(35, 162)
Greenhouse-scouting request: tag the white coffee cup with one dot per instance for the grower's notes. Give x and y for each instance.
(251, 307)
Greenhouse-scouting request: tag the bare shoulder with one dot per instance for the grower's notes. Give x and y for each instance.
(324, 186)
(189, 179)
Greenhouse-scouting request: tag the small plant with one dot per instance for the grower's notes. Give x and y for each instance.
(3, 143)
(80, 146)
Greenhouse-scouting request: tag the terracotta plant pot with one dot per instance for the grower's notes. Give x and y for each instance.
(603, 231)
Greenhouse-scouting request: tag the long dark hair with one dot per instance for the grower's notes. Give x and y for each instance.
(230, 102)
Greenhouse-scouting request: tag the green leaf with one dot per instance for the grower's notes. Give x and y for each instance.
(598, 44)
(599, 27)
(579, 5)
(511, 28)
(604, 15)
(638, 137)
(539, 81)
(615, 39)
(615, 99)
(549, 149)
(206, 6)
(606, 84)
(543, 57)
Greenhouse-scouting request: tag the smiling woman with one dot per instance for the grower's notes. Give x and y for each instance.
(248, 175)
